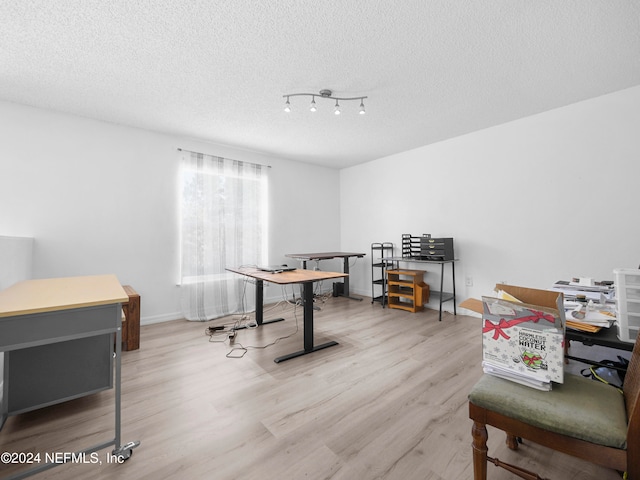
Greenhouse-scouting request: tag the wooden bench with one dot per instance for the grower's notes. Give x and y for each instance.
(131, 325)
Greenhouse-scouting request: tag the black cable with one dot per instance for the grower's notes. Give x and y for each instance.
(245, 349)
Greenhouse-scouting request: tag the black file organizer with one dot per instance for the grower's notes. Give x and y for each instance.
(427, 247)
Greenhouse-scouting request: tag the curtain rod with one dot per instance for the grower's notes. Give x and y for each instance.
(202, 153)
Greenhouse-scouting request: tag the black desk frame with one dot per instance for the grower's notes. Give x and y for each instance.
(309, 347)
(259, 311)
(607, 337)
(442, 295)
(307, 284)
(304, 257)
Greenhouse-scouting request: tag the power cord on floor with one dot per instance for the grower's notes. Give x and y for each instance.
(230, 331)
(219, 334)
(238, 347)
(239, 350)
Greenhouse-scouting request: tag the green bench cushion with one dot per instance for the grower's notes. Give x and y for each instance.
(579, 407)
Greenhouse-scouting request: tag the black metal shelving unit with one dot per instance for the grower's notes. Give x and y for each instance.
(379, 252)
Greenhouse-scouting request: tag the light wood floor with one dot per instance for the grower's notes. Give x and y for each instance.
(389, 402)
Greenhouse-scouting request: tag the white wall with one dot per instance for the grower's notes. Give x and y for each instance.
(16, 265)
(530, 202)
(16, 260)
(102, 198)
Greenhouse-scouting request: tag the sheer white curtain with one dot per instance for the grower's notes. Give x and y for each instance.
(224, 224)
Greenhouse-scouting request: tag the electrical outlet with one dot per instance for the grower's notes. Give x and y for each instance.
(469, 282)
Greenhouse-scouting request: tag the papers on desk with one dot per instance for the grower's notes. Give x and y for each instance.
(588, 318)
(597, 293)
(598, 313)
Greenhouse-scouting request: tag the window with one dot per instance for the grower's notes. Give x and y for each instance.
(223, 224)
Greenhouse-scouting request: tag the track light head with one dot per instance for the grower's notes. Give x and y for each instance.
(287, 106)
(312, 107)
(336, 111)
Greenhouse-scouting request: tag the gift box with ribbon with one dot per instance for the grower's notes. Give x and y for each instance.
(523, 333)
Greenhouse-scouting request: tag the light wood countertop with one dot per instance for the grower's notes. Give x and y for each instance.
(298, 275)
(53, 294)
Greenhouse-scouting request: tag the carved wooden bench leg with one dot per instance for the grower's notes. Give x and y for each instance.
(512, 441)
(480, 435)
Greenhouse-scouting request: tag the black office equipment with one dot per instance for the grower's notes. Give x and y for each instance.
(276, 268)
(427, 247)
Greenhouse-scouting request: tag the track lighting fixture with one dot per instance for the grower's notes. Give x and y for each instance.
(324, 94)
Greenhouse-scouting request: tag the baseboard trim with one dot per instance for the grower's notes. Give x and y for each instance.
(167, 317)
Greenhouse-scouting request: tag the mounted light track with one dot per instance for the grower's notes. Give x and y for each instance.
(337, 110)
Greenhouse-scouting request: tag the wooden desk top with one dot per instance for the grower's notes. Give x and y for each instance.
(299, 275)
(323, 256)
(53, 294)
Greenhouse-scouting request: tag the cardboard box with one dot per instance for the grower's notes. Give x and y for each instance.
(525, 339)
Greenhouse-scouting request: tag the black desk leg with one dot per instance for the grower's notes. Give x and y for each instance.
(308, 327)
(260, 307)
(307, 303)
(453, 278)
(304, 265)
(441, 289)
(345, 293)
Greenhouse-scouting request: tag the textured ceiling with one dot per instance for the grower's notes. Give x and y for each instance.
(217, 70)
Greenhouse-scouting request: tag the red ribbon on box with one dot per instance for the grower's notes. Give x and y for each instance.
(498, 330)
(531, 360)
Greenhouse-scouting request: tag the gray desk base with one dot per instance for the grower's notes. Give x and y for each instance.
(56, 356)
(309, 346)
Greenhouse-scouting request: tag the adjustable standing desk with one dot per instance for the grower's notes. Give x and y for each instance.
(327, 256)
(306, 278)
(57, 337)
